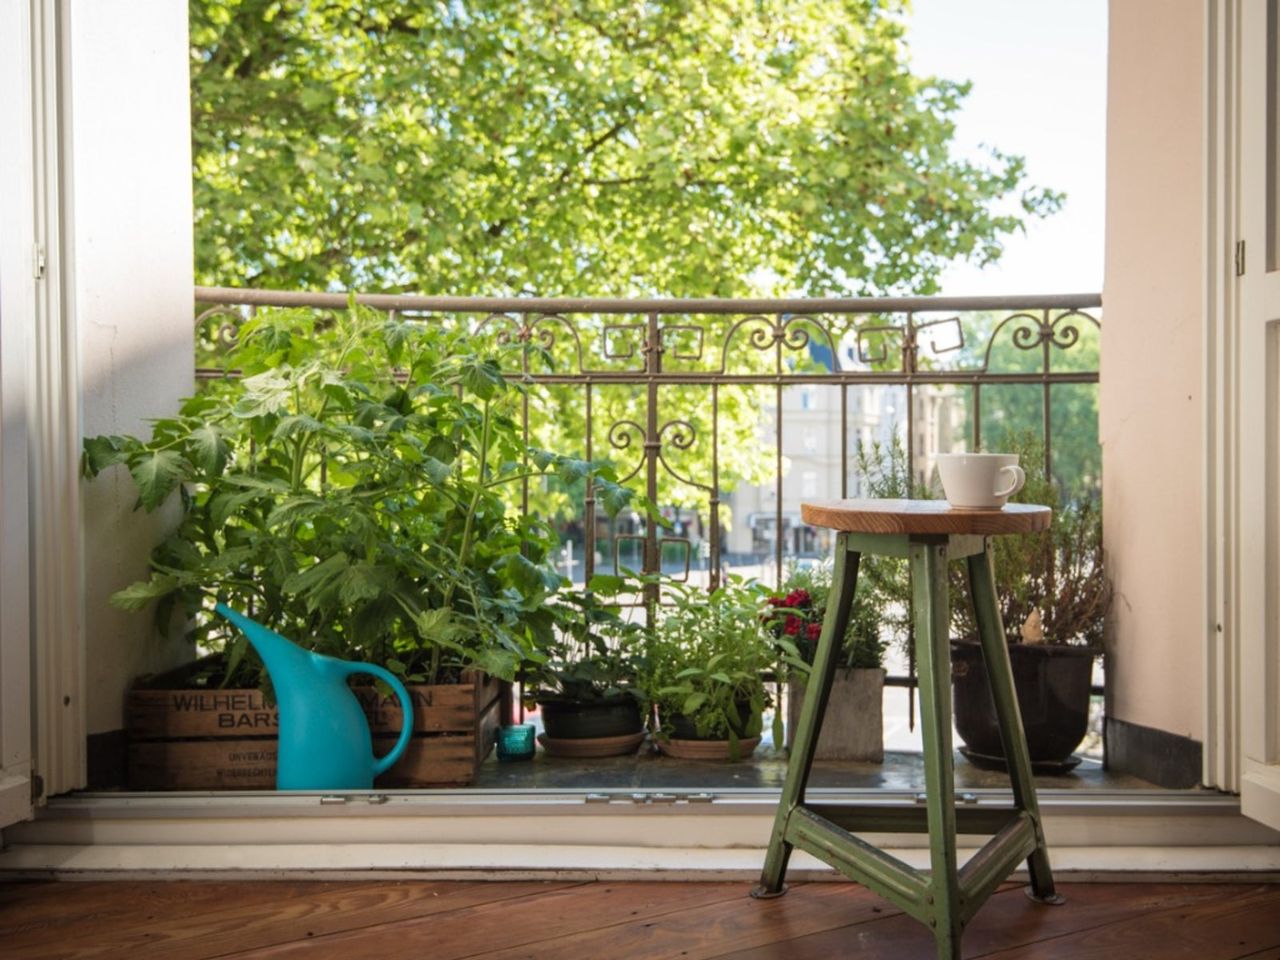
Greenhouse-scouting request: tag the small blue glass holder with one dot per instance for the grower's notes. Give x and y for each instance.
(516, 742)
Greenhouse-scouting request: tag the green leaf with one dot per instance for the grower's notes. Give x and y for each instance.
(436, 471)
(570, 472)
(103, 452)
(292, 426)
(136, 596)
(264, 394)
(528, 577)
(316, 576)
(483, 378)
(209, 449)
(365, 581)
(614, 498)
(295, 509)
(607, 584)
(157, 475)
(223, 505)
(235, 655)
(440, 626)
(692, 703)
(497, 663)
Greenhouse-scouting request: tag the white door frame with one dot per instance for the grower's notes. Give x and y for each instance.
(1220, 630)
(18, 250)
(1242, 417)
(1257, 451)
(42, 709)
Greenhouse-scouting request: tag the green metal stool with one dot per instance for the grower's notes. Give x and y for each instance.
(930, 534)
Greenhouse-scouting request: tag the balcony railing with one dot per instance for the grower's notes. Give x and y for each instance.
(700, 401)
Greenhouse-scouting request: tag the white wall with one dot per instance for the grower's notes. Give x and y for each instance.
(1152, 429)
(128, 188)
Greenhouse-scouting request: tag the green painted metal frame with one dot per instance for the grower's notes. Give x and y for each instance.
(946, 896)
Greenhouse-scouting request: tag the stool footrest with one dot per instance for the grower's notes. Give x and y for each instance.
(823, 830)
(911, 818)
(991, 865)
(858, 860)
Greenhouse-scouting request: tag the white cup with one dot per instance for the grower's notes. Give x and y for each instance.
(980, 481)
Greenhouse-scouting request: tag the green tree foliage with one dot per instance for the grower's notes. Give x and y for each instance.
(582, 146)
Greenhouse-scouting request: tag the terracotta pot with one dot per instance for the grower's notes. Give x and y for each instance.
(707, 749)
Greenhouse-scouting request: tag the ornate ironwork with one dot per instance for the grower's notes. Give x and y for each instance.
(653, 346)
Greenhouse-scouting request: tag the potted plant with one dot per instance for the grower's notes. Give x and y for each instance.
(853, 724)
(1054, 597)
(705, 667)
(586, 689)
(350, 490)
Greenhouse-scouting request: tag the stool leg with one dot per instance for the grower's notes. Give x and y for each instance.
(933, 665)
(995, 656)
(844, 581)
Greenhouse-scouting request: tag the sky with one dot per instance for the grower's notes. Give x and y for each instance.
(1038, 69)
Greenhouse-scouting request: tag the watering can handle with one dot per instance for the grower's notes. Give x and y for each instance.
(383, 764)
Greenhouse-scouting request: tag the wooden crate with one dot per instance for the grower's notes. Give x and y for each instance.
(454, 726)
(226, 739)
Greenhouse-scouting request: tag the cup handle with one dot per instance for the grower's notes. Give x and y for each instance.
(1019, 478)
(383, 764)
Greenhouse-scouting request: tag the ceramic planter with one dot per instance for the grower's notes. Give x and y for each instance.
(1053, 685)
(853, 725)
(591, 728)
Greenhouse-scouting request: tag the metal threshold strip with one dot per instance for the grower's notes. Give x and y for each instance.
(491, 802)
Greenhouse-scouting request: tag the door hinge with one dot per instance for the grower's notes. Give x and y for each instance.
(37, 787)
(1239, 258)
(38, 262)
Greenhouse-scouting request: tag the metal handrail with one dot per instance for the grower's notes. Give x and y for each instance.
(663, 305)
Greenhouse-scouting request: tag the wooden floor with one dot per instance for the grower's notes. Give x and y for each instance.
(615, 921)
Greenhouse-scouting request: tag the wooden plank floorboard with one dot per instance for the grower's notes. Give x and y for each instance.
(708, 931)
(1007, 920)
(620, 921)
(253, 922)
(98, 909)
(1226, 928)
(466, 933)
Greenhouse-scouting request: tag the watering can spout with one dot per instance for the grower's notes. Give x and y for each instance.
(287, 663)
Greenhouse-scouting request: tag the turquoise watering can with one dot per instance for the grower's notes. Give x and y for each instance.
(324, 737)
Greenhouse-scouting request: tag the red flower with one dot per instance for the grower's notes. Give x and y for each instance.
(792, 626)
(813, 631)
(776, 601)
(797, 598)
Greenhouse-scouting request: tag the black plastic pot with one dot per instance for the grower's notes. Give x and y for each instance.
(683, 728)
(591, 719)
(1053, 686)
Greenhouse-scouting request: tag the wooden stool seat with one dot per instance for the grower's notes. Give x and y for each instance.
(930, 535)
(923, 517)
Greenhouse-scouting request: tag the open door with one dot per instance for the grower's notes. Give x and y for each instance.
(18, 279)
(1258, 436)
